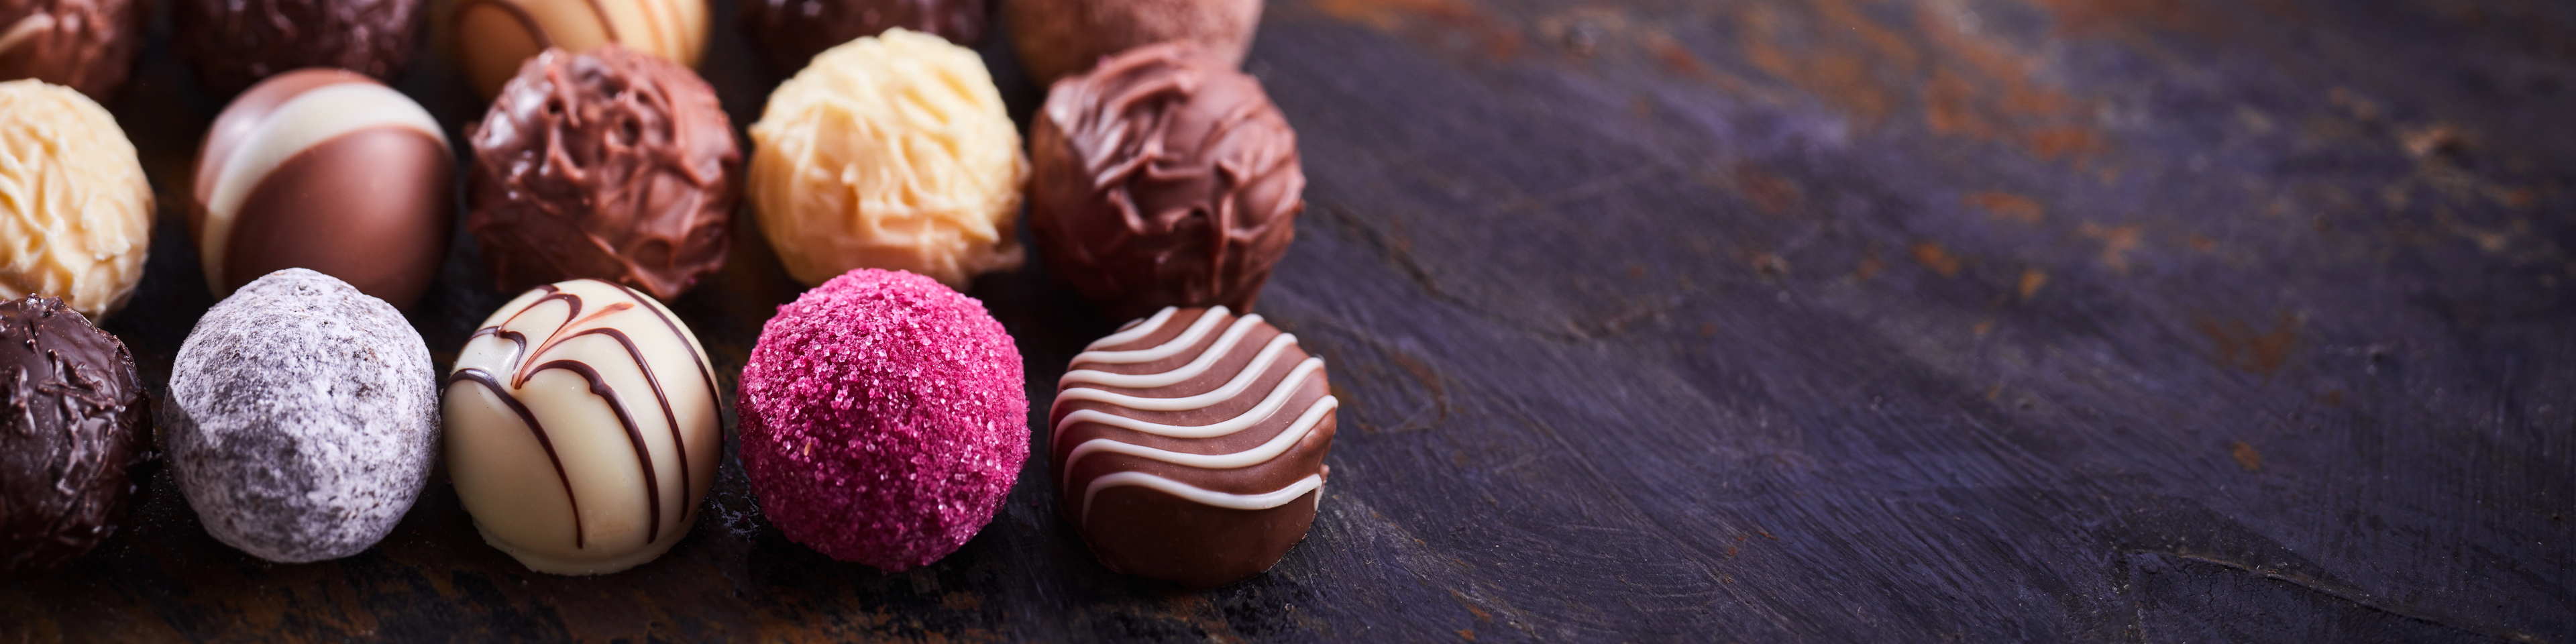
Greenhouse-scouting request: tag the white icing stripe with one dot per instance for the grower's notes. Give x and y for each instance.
(1187, 338)
(1242, 380)
(309, 119)
(1202, 496)
(26, 29)
(1143, 328)
(1278, 398)
(1287, 438)
(1224, 345)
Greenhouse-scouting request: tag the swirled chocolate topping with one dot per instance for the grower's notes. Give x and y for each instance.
(233, 43)
(1163, 178)
(73, 422)
(790, 32)
(87, 45)
(606, 164)
(1190, 445)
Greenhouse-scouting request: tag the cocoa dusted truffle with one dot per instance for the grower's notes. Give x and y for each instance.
(1057, 38)
(329, 170)
(73, 422)
(790, 32)
(88, 45)
(609, 164)
(1163, 178)
(234, 43)
(1189, 446)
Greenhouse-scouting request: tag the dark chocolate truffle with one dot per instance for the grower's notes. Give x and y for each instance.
(328, 170)
(790, 32)
(1163, 178)
(73, 422)
(1056, 38)
(608, 164)
(1190, 446)
(87, 45)
(233, 43)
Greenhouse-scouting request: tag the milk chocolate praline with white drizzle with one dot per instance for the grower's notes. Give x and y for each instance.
(87, 45)
(1189, 446)
(581, 428)
(74, 423)
(329, 170)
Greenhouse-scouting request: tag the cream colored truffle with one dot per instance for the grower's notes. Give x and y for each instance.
(75, 211)
(890, 152)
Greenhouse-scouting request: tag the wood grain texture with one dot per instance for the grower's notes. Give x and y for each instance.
(1711, 320)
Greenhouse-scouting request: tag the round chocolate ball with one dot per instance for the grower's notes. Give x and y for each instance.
(883, 419)
(1189, 446)
(329, 170)
(790, 32)
(88, 45)
(1057, 38)
(234, 43)
(608, 164)
(582, 429)
(491, 38)
(73, 426)
(1163, 178)
(83, 235)
(302, 418)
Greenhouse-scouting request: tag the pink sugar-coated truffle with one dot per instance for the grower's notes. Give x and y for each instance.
(883, 418)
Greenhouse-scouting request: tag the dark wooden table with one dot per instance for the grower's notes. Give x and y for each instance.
(1711, 320)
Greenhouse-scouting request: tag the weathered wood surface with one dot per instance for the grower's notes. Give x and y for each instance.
(1715, 320)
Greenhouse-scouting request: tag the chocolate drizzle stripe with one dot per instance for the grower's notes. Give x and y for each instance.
(1279, 444)
(670, 416)
(634, 435)
(1200, 495)
(527, 20)
(705, 374)
(1188, 338)
(606, 26)
(1277, 399)
(485, 378)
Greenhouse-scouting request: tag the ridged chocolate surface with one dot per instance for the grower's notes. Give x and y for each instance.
(234, 43)
(790, 32)
(73, 421)
(87, 45)
(1190, 446)
(1163, 178)
(609, 164)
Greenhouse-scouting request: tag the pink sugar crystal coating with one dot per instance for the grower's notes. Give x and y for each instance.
(883, 418)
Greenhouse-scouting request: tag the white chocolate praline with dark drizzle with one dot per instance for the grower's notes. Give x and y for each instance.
(1190, 445)
(582, 428)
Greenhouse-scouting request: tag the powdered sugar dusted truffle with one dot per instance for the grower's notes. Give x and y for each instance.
(302, 418)
(883, 418)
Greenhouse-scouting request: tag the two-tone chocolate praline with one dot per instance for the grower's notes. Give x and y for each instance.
(74, 422)
(581, 428)
(1189, 446)
(329, 170)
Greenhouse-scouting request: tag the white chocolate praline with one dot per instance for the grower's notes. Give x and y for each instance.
(890, 152)
(491, 38)
(582, 428)
(75, 211)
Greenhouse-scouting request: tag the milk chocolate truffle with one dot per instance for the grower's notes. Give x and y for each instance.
(234, 43)
(490, 38)
(608, 164)
(73, 423)
(1189, 446)
(890, 152)
(302, 418)
(883, 418)
(1164, 178)
(790, 32)
(1057, 38)
(88, 45)
(582, 429)
(75, 212)
(328, 170)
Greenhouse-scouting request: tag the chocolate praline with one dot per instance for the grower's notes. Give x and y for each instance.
(329, 170)
(87, 45)
(790, 32)
(1163, 178)
(490, 38)
(1189, 446)
(608, 164)
(234, 43)
(1056, 38)
(74, 422)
